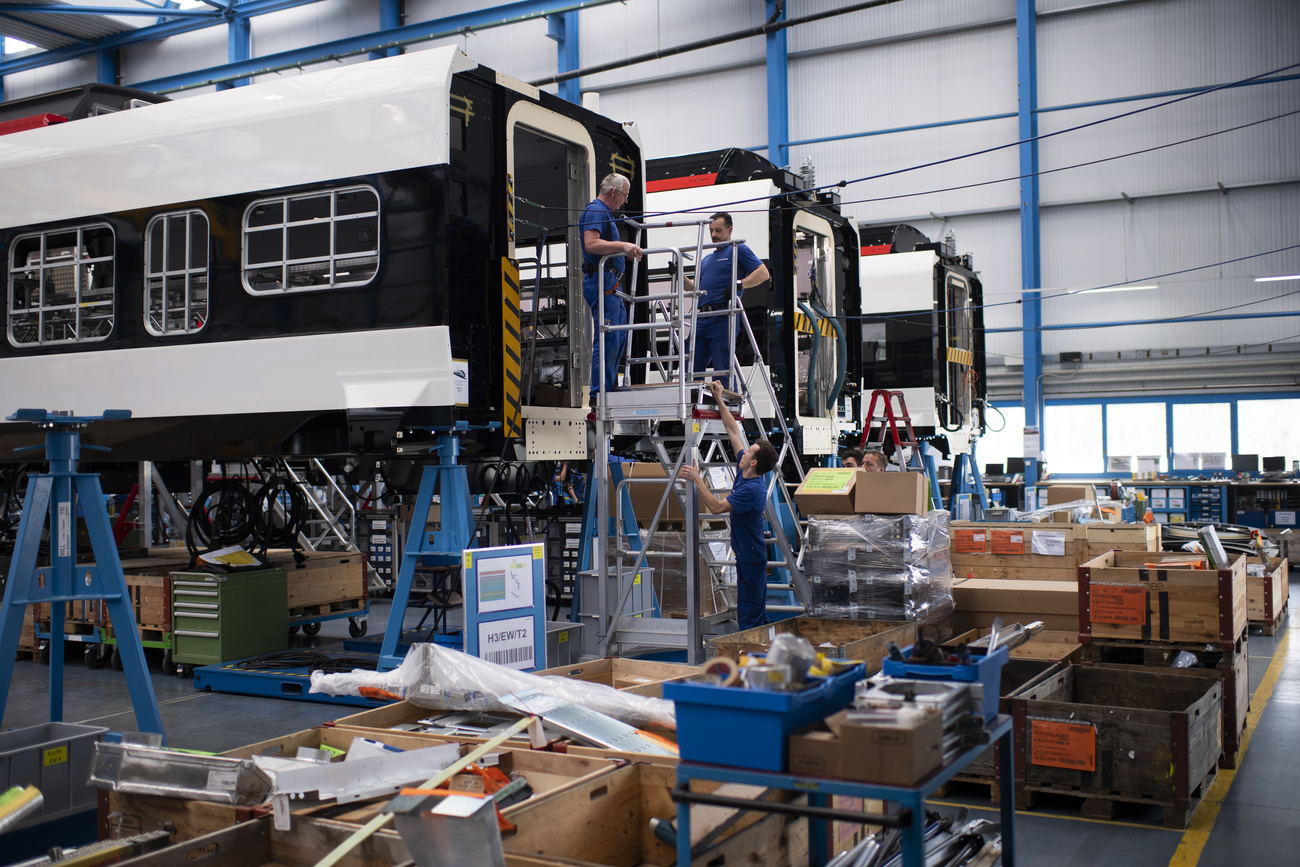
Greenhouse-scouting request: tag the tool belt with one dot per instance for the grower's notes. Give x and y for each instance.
(715, 305)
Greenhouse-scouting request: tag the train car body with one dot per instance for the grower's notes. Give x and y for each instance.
(303, 266)
(799, 318)
(922, 319)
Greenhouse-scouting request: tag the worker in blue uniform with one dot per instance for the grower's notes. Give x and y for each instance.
(712, 337)
(745, 505)
(600, 238)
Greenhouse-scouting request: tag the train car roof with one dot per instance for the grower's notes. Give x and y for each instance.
(382, 115)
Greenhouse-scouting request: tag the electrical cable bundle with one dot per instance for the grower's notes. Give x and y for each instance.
(291, 659)
(281, 509)
(224, 514)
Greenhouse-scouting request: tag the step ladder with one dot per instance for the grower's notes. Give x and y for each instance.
(671, 412)
(882, 428)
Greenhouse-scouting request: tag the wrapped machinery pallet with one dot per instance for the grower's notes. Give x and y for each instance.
(880, 567)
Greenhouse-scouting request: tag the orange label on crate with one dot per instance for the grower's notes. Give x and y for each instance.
(1008, 541)
(1057, 744)
(1121, 604)
(970, 541)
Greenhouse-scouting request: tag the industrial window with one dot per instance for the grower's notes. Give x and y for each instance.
(61, 286)
(1268, 428)
(327, 239)
(1005, 437)
(1072, 438)
(1136, 432)
(176, 273)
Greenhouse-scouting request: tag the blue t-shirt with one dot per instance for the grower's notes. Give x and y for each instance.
(598, 216)
(748, 498)
(715, 272)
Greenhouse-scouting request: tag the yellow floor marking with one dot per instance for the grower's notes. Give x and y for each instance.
(1042, 815)
(1197, 834)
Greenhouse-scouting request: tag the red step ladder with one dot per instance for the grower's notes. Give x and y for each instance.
(888, 422)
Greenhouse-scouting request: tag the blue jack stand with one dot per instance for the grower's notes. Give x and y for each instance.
(442, 547)
(966, 479)
(55, 494)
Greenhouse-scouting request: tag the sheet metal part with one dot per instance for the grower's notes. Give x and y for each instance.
(144, 770)
(351, 781)
(587, 725)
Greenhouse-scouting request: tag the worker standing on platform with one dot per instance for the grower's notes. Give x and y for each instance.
(600, 238)
(745, 503)
(712, 337)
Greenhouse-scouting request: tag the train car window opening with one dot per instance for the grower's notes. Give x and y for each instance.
(176, 273)
(326, 239)
(61, 285)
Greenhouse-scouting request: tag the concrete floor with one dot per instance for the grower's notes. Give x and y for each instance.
(1258, 821)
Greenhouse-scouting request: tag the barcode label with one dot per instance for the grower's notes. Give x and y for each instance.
(510, 642)
(510, 655)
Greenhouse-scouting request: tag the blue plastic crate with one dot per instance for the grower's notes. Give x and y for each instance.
(985, 670)
(748, 728)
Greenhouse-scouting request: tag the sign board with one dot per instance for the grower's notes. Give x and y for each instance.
(505, 605)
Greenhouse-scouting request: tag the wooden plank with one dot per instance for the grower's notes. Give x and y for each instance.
(1017, 573)
(128, 815)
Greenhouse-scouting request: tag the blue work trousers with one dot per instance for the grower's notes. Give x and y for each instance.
(713, 346)
(751, 594)
(604, 366)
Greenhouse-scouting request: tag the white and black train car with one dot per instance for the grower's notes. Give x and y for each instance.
(802, 318)
(305, 265)
(922, 329)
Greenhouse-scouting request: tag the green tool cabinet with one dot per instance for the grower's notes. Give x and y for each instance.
(217, 618)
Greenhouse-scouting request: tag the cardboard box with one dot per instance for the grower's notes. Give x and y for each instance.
(645, 496)
(828, 492)
(871, 754)
(1057, 494)
(891, 494)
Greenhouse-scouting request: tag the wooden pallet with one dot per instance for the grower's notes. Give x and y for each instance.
(1102, 804)
(1270, 627)
(1152, 653)
(968, 781)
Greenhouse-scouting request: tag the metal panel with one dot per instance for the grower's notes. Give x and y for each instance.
(50, 78)
(177, 54)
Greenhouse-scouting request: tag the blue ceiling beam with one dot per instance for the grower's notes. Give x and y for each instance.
(563, 29)
(239, 47)
(150, 11)
(152, 33)
(58, 34)
(390, 16)
(452, 25)
(1031, 311)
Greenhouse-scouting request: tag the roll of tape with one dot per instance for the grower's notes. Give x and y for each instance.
(723, 669)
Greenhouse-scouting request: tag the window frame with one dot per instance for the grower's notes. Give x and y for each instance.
(78, 263)
(285, 224)
(187, 273)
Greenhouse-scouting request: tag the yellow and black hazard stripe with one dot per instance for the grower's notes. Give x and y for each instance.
(511, 363)
(825, 327)
(961, 356)
(510, 216)
(802, 323)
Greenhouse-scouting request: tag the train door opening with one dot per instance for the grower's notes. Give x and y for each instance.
(818, 350)
(551, 163)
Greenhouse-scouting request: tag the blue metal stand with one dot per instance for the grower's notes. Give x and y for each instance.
(910, 799)
(966, 479)
(442, 547)
(55, 494)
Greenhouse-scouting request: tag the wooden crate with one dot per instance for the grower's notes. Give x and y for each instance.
(402, 713)
(867, 640)
(1100, 538)
(637, 676)
(150, 598)
(607, 822)
(124, 815)
(1016, 674)
(1267, 595)
(322, 578)
(1233, 670)
(980, 600)
(1009, 550)
(1113, 736)
(1050, 645)
(1128, 596)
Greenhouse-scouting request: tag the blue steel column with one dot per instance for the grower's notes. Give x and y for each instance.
(390, 18)
(2, 78)
(106, 66)
(778, 92)
(563, 28)
(239, 46)
(1030, 261)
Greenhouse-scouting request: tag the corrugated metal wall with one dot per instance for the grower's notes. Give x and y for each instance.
(878, 92)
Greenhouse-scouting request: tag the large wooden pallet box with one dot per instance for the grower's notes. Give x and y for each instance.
(1127, 596)
(1049, 645)
(1100, 538)
(322, 578)
(606, 821)
(980, 600)
(1016, 550)
(1267, 594)
(637, 676)
(258, 844)
(1016, 674)
(1143, 736)
(867, 640)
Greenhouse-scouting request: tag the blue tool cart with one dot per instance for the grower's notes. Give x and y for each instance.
(910, 800)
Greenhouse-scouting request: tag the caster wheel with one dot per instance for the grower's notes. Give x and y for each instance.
(168, 667)
(97, 655)
(185, 670)
(311, 628)
(117, 659)
(294, 630)
(43, 653)
(357, 628)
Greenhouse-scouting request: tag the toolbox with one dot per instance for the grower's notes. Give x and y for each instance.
(984, 670)
(217, 618)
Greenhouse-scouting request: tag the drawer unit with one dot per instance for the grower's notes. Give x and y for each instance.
(217, 618)
(1206, 503)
